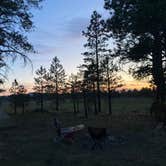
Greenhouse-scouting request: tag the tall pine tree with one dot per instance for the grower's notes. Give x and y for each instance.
(40, 84)
(57, 73)
(110, 78)
(96, 47)
(139, 29)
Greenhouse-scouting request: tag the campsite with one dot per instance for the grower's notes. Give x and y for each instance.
(134, 139)
(82, 82)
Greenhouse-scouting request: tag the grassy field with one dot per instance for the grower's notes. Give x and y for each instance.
(120, 104)
(31, 143)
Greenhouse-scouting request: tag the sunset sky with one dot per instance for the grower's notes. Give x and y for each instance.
(58, 27)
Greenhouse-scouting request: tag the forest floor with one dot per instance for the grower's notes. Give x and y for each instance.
(31, 141)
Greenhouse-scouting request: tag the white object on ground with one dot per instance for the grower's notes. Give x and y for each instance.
(72, 129)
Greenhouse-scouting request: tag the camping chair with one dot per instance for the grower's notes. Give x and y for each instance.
(98, 135)
(67, 133)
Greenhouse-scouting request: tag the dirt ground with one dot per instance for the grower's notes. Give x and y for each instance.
(134, 141)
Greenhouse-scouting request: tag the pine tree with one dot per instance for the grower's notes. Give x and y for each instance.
(18, 95)
(21, 97)
(110, 78)
(49, 87)
(14, 91)
(89, 79)
(96, 46)
(40, 84)
(75, 88)
(15, 22)
(139, 30)
(57, 73)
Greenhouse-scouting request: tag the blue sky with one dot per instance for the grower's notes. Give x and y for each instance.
(57, 32)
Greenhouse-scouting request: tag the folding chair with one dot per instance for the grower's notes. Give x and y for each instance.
(67, 133)
(98, 136)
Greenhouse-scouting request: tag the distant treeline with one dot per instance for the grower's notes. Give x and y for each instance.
(75, 102)
(144, 92)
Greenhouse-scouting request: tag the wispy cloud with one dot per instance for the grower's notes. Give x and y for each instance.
(75, 27)
(44, 49)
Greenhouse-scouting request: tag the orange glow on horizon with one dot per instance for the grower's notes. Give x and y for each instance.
(136, 85)
(128, 85)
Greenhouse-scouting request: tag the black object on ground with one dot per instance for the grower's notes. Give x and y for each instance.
(98, 136)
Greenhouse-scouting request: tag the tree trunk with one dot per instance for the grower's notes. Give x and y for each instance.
(94, 98)
(109, 102)
(23, 103)
(85, 105)
(158, 71)
(74, 104)
(41, 102)
(88, 101)
(57, 102)
(109, 90)
(98, 77)
(78, 105)
(15, 105)
(57, 97)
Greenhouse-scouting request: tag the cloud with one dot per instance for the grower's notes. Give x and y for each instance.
(44, 49)
(42, 34)
(75, 27)
(45, 38)
(66, 30)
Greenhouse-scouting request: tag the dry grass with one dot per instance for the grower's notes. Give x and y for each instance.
(31, 142)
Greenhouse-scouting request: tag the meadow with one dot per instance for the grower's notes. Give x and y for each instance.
(31, 141)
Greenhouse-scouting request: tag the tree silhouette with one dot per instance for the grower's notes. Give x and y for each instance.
(21, 97)
(85, 102)
(14, 91)
(49, 87)
(89, 80)
(58, 78)
(139, 29)
(111, 78)
(96, 47)
(15, 22)
(75, 88)
(40, 83)
(18, 95)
